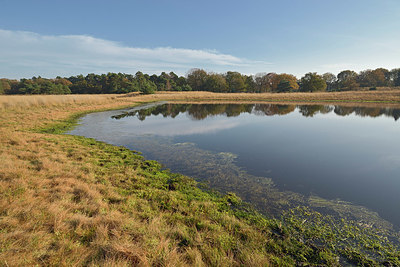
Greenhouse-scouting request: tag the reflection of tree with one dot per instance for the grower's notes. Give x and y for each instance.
(326, 109)
(199, 112)
(270, 109)
(311, 110)
(367, 112)
(343, 111)
(370, 112)
(395, 113)
(202, 111)
(235, 110)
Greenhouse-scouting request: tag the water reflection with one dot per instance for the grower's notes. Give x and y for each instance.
(274, 156)
(202, 111)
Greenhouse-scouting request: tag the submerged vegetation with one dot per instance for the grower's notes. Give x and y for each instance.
(68, 200)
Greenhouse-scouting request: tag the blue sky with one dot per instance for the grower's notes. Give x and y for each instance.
(55, 37)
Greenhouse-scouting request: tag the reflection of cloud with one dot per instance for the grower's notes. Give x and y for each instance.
(390, 162)
(24, 54)
(182, 127)
(99, 125)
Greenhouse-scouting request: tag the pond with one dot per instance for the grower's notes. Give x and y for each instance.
(340, 160)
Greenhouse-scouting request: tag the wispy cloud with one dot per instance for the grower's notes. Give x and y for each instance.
(25, 54)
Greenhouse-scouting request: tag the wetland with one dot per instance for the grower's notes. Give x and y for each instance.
(338, 160)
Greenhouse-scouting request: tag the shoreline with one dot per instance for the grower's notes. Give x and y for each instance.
(391, 97)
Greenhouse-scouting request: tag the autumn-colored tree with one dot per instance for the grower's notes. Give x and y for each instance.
(373, 78)
(62, 81)
(347, 80)
(5, 86)
(285, 82)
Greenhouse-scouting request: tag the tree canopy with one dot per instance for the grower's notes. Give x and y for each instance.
(201, 80)
(347, 80)
(312, 82)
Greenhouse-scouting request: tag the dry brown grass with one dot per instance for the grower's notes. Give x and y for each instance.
(15, 101)
(22, 101)
(55, 204)
(326, 97)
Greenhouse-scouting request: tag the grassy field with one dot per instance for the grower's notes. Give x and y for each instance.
(23, 101)
(67, 200)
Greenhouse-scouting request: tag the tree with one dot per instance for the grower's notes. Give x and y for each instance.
(347, 80)
(286, 82)
(395, 77)
(284, 86)
(331, 81)
(197, 78)
(250, 85)
(185, 87)
(216, 83)
(62, 81)
(312, 82)
(236, 82)
(373, 78)
(145, 85)
(5, 86)
(263, 82)
(386, 74)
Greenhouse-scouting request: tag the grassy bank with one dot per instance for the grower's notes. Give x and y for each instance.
(69, 200)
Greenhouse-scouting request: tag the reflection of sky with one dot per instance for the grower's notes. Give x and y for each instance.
(348, 157)
(180, 125)
(101, 124)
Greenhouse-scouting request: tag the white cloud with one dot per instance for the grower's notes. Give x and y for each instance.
(27, 54)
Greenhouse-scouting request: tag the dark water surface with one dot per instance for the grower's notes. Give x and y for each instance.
(342, 160)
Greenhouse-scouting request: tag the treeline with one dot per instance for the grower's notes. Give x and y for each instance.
(200, 80)
(111, 83)
(234, 82)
